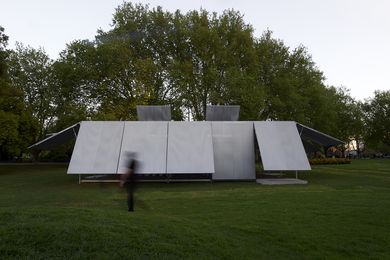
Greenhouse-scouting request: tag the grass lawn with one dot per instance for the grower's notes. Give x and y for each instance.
(344, 212)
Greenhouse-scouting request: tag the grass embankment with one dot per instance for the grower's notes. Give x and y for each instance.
(343, 212)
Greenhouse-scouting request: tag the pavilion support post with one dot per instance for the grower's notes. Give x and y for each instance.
(79, 178)
(296, 174)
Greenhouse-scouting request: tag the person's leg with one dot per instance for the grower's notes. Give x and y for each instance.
(130, 202)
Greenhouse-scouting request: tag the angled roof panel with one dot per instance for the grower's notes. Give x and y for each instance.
(190, 148)
(149, 141)
(317, 136)
(57, 139)
(97, 148)
(280, 146)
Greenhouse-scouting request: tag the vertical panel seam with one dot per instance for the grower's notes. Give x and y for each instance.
(120, 147)
(166, 150)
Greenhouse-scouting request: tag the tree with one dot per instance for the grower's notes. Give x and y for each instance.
(17, 127)
(76, 84)
(30, 70)
(156, 57)
(293, 85)
(187, 61)
(135, 56)
(377, 113)
(358, 130)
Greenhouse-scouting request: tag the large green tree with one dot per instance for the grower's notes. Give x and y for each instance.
(30, 70)
(156, 57)
(293, 85)
(191, 60)
(17, 127)
(75, 81)
(377, 112)
(215, 62)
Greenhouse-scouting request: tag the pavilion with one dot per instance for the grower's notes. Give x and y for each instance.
(220, 148)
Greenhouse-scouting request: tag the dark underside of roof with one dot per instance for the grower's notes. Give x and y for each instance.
(318, 137)
(57, 139)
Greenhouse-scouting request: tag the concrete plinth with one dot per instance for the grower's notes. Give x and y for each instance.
(280, 181)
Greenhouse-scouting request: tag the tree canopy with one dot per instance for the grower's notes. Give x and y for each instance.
(17, 126)
(377, 112)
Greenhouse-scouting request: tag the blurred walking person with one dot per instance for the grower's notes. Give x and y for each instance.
(128, 179)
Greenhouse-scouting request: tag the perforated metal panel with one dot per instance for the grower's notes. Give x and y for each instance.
(280, 146)
(222, 113)
(234, 152)
(154, 113)
(190, 148)
(149, 141)
(97, 148)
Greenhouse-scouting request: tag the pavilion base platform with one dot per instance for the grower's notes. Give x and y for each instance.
(280, 181)
(147, 178)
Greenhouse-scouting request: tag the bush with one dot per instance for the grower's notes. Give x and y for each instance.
(54, 156)
(329, 161)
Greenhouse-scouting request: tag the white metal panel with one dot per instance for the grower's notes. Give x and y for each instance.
(190, 148)
(97, 148)
(280, 146)
(234, 152)
(149, 141)
(154, 113)
(222, 113)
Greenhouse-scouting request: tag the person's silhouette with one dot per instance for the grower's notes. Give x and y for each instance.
(128, 179)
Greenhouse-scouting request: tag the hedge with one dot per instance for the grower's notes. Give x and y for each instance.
(319, 161)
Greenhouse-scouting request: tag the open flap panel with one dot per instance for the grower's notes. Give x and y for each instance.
(149, 141)
(57, 139)
(97, 148)
(317, 136)
(234, 150)
(280, 146)
(190, 148)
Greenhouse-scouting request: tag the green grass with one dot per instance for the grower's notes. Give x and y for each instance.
(344, 212)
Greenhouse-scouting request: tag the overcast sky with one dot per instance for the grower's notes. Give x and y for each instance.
(349, 40)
